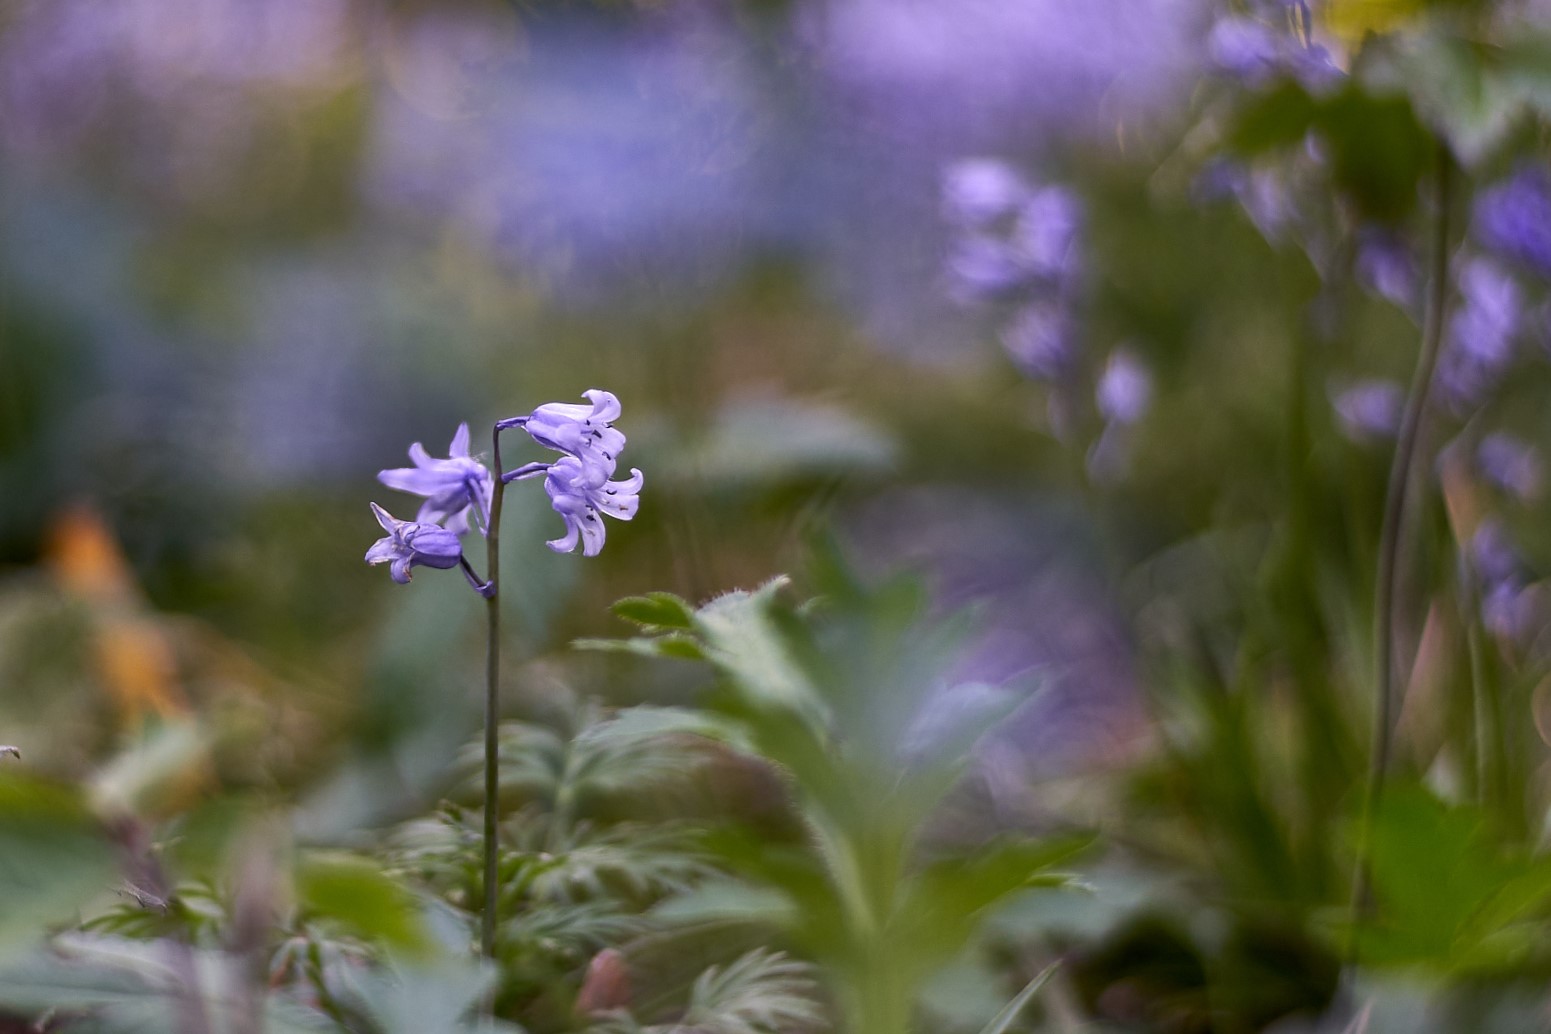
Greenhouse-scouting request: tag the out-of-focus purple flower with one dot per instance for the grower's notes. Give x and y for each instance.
(982, 268)
(1369, 410)
(584, 432)
(1046, 233)
(1261, 191)
(1481, 334)
(1511, 610)
(1512, 465)
(1387, 267)
(1124, 390)
(452, 487)
(1042, 340)
(977, 193)
(1246, 49)
(1513, 219)
(1492, 554)
(410, 544)
(582, 499)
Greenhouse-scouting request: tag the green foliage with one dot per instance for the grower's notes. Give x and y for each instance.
(827, 694)
(55, 858)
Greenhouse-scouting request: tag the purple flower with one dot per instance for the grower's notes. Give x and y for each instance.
(1124, 390)
(1387, 267)
(585, 433)
(1046, 233)
(1513, 219)
(1511, 465)
(451, 487)
(582, 499)
(1481, 334)
(409, 544)
(977, 193)
(985, 268)
(1246, 49)
(1041, 340)
(1369, 410)
(1493, 555)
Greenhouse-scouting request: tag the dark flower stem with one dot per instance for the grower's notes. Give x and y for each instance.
(492, 698)
(1390, 534)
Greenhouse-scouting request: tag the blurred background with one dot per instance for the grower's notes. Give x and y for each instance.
(1012, 298)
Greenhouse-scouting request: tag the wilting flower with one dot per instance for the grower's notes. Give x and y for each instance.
(451, 487)
(586, 433)
(1369, 410)
(1481, 334)
(1513, 219)
(1125, 388)
(410, 544)
(582, 499)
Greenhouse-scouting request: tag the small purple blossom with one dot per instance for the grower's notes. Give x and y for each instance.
(982, 268)
(1511, 465)
(1041, 340)
(1513, 219)
(1492, 554)
(1387, 266)
(452, 487)
(586, 432)
(1124, 390)
(410, 544)
(1481, 334)
(1245, 49)
(1046, 233)
(1368, 410)
(978, 193)
(582, 500)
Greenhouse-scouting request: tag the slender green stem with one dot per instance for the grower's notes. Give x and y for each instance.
(1390, 534)
(492, 699)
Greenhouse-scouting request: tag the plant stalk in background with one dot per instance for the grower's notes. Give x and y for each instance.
(1390, 533)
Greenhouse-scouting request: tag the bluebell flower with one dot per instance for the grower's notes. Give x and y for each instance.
(1513, 219)
(1041, 340)
(984, 268)
(1124, 390)
(1481, 334)
(582, 499)
(978, 193)
(1510, 465)
(1246, 49)
(452, 487)
(1387, 266)
(410, 544)
(586, 432)
(1369, 410)
(1046, 233)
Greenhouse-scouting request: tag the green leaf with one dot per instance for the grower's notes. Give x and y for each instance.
(657, 610)
(1004, 1019)
(54, 857)
(356, 893)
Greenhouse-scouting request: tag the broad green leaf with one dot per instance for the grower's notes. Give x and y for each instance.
(357, 894)
(657, 610)
(54, 858)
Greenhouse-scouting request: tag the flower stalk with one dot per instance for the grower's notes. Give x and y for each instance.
(492, 698)
(1390, 532)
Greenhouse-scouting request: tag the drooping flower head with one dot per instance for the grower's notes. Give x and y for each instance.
(410, 544)
(582, 500)
(452, 487)
(584, 432)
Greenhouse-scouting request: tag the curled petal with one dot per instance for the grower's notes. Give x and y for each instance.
(460, 442)
(399, 570)
(605, 406)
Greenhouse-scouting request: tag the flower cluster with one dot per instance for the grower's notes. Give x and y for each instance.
(579, 483)
(1017, 249)
(458, 491)
(1017, 245)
